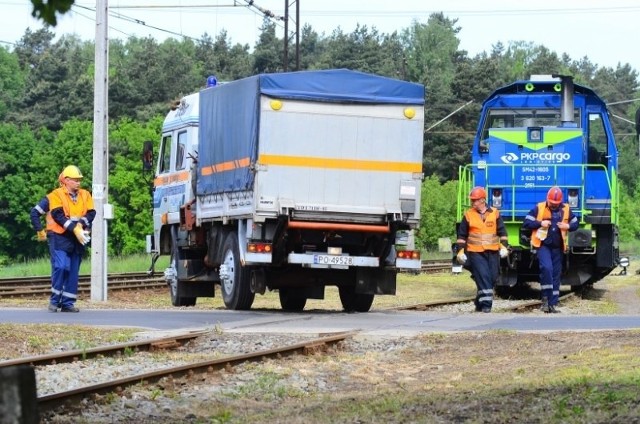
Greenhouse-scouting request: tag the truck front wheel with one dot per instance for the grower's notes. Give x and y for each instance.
(171, 276)
(234, 278)
(354, 302)
(292, 300)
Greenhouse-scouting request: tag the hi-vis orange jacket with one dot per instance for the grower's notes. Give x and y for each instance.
(545, 213)
(483, 235)
(73, 211)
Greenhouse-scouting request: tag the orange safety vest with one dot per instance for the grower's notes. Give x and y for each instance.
(483, 235)
(545, 213)
(74, 211)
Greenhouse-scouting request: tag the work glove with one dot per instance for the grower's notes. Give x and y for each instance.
(82, 235)
(461, 257)
(542, 233)
(41, 235)
(504, 249)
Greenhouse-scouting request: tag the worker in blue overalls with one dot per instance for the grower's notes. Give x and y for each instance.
(550, 223)
(71, 213)
(482, 240)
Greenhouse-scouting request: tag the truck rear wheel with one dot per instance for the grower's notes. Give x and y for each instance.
(234, 278)
(354, 302)
(292, 299)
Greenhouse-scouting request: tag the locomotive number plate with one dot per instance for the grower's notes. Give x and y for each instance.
(333, 260)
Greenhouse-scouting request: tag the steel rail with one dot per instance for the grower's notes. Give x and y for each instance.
(52, 401)
(435, 303)
(169, 342)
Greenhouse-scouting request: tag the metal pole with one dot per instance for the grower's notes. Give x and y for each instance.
(100, 154)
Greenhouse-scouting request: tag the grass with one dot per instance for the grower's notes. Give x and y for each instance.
(38, 339)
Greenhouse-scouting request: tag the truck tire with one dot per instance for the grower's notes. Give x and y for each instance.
(172, 279)
(235, 280)
(292, 300)
(354, 302)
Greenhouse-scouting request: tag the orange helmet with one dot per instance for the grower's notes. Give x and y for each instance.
(554, 196)
(478, 193)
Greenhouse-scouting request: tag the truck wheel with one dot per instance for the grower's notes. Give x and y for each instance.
(234, 278)
(292, 299)
(171, 274)
(354, 302)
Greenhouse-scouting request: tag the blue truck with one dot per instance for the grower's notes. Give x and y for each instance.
(290, 182)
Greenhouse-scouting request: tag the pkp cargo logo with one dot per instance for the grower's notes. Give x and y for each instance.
(509, 158)
(536, 157)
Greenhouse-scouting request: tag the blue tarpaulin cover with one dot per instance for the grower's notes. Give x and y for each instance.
(230, 115)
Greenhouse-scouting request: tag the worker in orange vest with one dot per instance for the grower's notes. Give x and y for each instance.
(482, 240)
(71, 213)
(550, 223)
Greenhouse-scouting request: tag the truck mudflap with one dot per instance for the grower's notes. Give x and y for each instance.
(323, 260)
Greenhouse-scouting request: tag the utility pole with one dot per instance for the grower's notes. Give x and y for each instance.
(286, 34)
(99, 189)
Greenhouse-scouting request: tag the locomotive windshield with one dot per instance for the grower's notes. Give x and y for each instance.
(523, 118)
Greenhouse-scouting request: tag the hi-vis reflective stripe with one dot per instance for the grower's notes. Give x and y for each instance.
(226, 166)
(170, 178)
(352, 164)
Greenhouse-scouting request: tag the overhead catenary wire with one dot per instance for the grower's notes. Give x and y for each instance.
(249, 4)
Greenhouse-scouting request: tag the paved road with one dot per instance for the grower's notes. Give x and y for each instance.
(382, 322)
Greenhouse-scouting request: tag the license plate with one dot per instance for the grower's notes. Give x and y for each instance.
(333, 260)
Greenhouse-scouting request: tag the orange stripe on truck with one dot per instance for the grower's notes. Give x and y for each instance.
(226, 166)
(170, 178)
(350, 164)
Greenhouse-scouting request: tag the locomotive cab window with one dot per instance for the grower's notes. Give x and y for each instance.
(165, 155)
(597, 150)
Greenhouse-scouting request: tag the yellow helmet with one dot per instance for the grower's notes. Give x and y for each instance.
(71, 171)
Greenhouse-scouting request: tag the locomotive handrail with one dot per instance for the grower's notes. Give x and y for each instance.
(466, 182)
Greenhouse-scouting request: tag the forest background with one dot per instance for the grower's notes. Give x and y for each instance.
(46, 111)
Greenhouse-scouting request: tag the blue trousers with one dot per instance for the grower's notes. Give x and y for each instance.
(65, 269)
(550, 262)
(485, 267)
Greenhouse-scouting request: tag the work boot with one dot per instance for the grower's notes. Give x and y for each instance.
(70, 309)
(477, 306)
(53, 308)
(553, 309)
(545, 306)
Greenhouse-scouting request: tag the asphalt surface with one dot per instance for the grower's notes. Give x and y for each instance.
(318, 322)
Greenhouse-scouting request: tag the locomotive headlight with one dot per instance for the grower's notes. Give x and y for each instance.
(573, 197)
(496, 198)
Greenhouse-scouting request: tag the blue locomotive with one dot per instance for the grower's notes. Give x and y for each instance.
(533, 135)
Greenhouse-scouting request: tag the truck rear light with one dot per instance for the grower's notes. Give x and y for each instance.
(408, 254)
(259, 247)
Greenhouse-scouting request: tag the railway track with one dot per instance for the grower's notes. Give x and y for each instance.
(523, 306)
(41, 286)
(56, 400)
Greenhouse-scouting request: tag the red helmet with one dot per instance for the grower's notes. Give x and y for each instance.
(554, 196)
(478, 193)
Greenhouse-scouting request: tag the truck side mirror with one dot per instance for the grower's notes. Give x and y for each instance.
(147, 156)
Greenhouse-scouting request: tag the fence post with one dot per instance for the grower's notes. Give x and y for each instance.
(18, 397)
